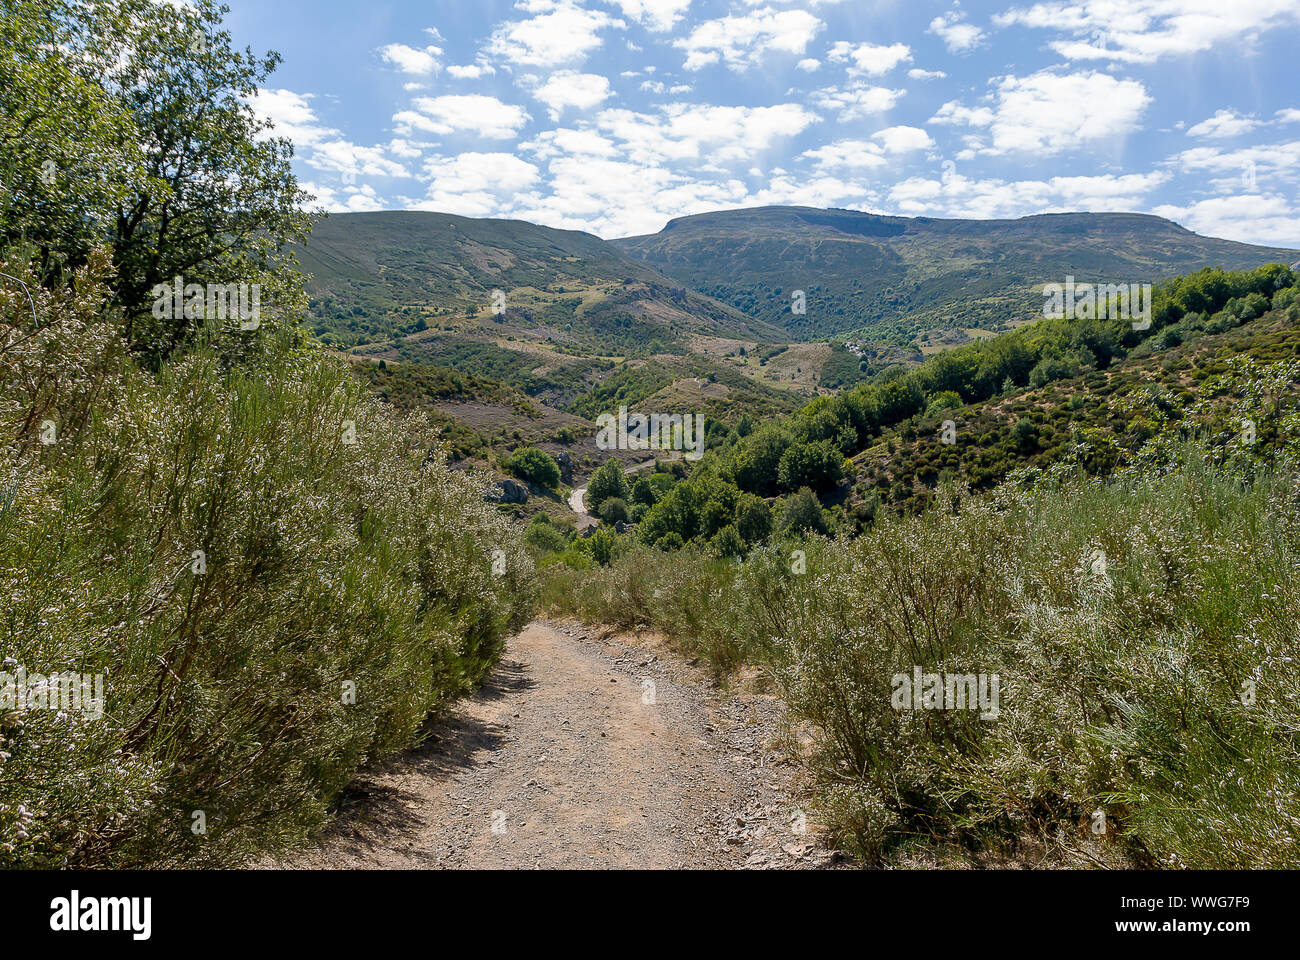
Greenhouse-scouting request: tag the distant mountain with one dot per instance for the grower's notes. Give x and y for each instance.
(895, 278)
(382, 275)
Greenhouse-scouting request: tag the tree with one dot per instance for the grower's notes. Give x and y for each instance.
(608, 481)
(670, 541)
(643, 492)
(753, 518)
(803, 512)
(614, 510)
(68, 156)
(758, 457)
(818, 465)
(545, 538)
(602, 545)
(139, 118)
(534, 466)
(728, 542)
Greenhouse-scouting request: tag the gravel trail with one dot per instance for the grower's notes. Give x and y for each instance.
(584, 752)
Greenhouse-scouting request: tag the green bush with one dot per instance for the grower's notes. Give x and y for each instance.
(816, 465)
(802, 512)
(614, 510)
(608, 481)
(234, 543)
(534, 466)
(545, 538)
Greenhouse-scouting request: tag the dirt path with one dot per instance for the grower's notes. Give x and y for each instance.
(582, 752)
(577, 498)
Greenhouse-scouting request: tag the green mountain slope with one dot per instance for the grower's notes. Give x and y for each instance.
(380, 275)
(894, 278)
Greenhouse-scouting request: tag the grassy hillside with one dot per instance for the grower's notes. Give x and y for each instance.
(378, 275)
(1099, 419)
(893, 278)
(1117, 549)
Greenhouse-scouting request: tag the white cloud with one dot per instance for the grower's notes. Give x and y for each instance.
(567, 88)
(957, 35)
(850, 154)
(918, 74)
(903, 139)
(735, 133)
(292, 115)
(476, 184)
(954, 112)
(622, 197)
(562, 32)
(352, 160)
(820, 191)
(1247, 218)
(691, 132)
(1049, 113)
(626, 172)
(809, 64)
(1289, 115)
(857, 100)
(553, 143)
(471, 71)
(1143, 31)
(1224, 123)
(656, 15)
(742, 41)
(1248, 168)
(320, 146)
(469, 113)
(356, 199)
(869, 59)
(410, 60)
(954, 195)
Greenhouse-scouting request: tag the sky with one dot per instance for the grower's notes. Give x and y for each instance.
(614, 116)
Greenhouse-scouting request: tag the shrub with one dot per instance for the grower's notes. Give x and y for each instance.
(608, 481)
(545, 538)
(753, 518)
(816, 465)
(614, 510)
(802, 512)
(728, 543)
(233, 541)
(534, 466)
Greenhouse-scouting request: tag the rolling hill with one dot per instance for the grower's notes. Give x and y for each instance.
(897, 279)
(381, 275)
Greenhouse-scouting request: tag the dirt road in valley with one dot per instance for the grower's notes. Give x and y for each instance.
(578, 497)
(584, 751)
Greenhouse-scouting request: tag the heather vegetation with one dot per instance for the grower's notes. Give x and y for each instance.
(1076, 391)
(1131, 584)
(1158, 687)
(274, 574)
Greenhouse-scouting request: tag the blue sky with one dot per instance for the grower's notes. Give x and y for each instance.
(613, 116)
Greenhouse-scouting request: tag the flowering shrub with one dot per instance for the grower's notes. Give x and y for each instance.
(279, 580)
(1143, 630)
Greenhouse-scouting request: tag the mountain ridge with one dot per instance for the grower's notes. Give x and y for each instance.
(894, 279)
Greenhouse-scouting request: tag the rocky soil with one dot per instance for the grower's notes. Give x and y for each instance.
(585, 751)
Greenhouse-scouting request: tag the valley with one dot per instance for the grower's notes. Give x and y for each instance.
(506, 333)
